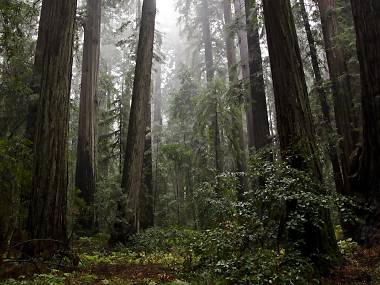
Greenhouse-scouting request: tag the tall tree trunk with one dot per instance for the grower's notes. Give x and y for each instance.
(210, 70)
(257, 93)
(237, 126)
(157, 122)
(342, 94)
(146, 193)
(104, 128)
(207, 41)
(47, 212)
(128, 220)
(138, 14)
(367, 23)
(322, 96)
(146, 213)
(157, 113)
(125, 110)
(240, 16)
(85, 177)
(295, 128)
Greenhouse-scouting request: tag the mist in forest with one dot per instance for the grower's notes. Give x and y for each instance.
(189, 142)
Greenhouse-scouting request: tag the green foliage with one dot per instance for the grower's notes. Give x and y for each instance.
(52, 278)
(173, 240)
(186, 154)
(245, 239)
(348, 247)
(241, 242)
(216, 201)
(108, 192)
(228, 254)
(251, 266)
(241, 247)
(15, 182)
(15, 164)
(18, 26)
(95, 243)
(278, 184)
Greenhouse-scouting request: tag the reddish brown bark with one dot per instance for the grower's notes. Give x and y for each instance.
(146, 193)
(257, 99)
(244, 62)
(367, 180)
(294, 123)
(128, 216)
(237, 128)
(341, 86)
(85, 177)
(47, 213)
(322, 96)
(210, 70)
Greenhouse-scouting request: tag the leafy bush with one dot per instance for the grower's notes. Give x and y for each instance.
(177, 241)
(241, 251)
(348, 247)
(246, 241)
(15, 182)
(15, 165)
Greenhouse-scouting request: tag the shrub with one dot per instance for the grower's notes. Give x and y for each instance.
(15, 182)
(174, 240)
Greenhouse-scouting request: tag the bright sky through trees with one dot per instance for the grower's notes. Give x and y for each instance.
(166, 15)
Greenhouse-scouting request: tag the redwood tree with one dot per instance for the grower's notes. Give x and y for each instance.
(367, 180)
(47, 212)
(237, 124)
(341, 85)
(240, 21)
(146, 193)
(210, 72)
(294, 123)
(323, 101)
(85, 177)
(257, 99)
(128, 216)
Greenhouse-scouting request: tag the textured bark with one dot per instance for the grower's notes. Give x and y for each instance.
(210, 72)
(157, 114)
(129, 215)
(85, 177)
(138, 13)
(105, 97)
(146, 213)
(31, 118)
(341, 86)
(244, 62)
(47, 213)
(207, 41)
(230, 43)
(157, 124)
(295, 129)
(146, 193)
(237, 128)
(257, 98)
(124, 118)
(367, 23)
(322, 96)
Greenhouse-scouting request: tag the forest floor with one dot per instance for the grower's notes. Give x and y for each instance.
(98, 266)
(360, 267)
